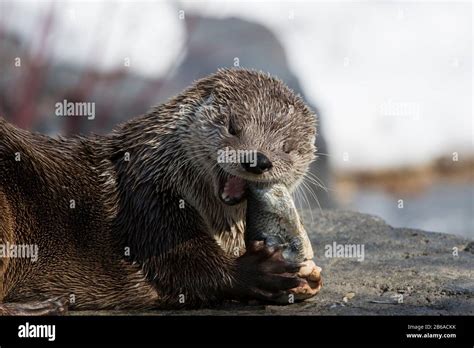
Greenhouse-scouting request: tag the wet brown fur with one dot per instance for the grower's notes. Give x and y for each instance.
(129, 243)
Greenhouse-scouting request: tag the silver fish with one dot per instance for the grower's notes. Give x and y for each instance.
(272, 217)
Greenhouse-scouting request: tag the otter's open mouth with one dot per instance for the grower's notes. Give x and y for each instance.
(232, 189)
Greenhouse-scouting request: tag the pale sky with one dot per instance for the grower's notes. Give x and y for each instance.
(393, 80)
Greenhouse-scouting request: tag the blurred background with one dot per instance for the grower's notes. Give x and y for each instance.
(390, 81)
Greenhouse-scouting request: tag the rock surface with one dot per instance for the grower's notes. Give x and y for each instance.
(403, 272)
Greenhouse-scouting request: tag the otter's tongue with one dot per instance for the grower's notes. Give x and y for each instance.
(234, 189)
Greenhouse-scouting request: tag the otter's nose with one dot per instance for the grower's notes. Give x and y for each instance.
(263, 164)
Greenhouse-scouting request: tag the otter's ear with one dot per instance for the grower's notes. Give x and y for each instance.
(206, 102)
(208, 99)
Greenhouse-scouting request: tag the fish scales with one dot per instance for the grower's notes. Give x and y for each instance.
(272, 217)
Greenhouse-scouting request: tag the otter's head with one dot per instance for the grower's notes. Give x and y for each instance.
(250, 127)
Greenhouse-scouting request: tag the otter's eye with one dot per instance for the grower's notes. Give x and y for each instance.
(287, 147)
(232, 130)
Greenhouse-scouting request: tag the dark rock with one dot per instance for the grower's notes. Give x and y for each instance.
(386, 283)
(469, 247)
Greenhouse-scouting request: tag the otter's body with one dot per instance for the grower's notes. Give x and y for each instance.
(134, 219)
(52, 195)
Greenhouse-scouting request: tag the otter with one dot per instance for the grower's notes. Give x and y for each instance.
(146, 217)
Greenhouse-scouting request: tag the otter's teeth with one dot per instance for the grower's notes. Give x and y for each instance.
(233, 190)
(225, 196)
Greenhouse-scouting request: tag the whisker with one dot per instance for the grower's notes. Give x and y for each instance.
(307, 202)
(313, 194)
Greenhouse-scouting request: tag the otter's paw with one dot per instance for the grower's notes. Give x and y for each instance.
(53, 306)
(310, 286)
(314, 281)
(263, 274)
